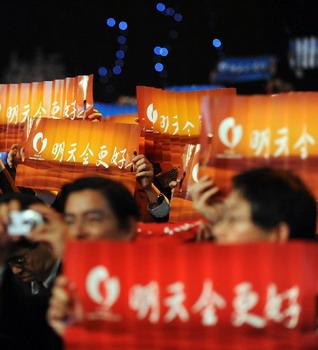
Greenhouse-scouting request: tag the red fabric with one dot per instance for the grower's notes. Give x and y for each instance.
(110, 280)
(79, 338)
(181, 231)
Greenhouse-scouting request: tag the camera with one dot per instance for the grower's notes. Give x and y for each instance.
(22, 222)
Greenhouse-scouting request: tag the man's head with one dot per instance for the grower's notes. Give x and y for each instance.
(267, 204)
(24, 199)
(96, 207)
(30, 261)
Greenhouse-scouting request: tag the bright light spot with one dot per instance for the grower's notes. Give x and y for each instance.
(123, 25)
(160, 7)
(102, 71)
(157, 50)
(121, 39)
(170, 11)
(216, 43)
(164, 51)
(117, 70)
(120, 54)
(110, 22)
(178, 17)
(159, 67)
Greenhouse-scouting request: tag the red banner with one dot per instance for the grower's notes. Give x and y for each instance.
(184, 296)
(187, 231)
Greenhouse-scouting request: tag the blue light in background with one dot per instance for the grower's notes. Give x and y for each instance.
(170, 11)
(159, 67)
(117, 70)
(123, 25)
(178, 17)
(157, 50)
(120, 54)
(121, 39)
(160, 6)
(164, 51)
(102, 71)
(216, 43)
(110, 22)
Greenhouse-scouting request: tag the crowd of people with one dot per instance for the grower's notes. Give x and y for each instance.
(36, 300)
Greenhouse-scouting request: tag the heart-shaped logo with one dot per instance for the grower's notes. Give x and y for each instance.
(39, 139)
(226, 127)
(195, 173)
(152, 113)
(101, 287)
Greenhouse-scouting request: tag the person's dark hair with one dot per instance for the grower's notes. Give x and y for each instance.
(276, 196)
(24, 199)
(116, 194)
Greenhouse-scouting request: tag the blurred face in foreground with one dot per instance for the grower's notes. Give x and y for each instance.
(237, 226)
(89, 216)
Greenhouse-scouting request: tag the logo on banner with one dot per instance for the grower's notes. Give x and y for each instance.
(230, 135)
(152, 113)
(104, 290)
(39, 145)
(195, 173)
(196, 167)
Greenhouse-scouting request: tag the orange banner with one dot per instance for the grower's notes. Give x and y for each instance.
(22, 103)
(58, 151)
(173, 112)
(181, 204)
(171, 121)
(240, 132)
(129, 118)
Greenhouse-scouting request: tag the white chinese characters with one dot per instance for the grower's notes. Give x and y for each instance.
(156, 303)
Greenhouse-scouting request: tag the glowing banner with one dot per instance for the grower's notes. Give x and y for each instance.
(25, 102)
(248, 131)
(171, 120)
(173, 296)
(58, 151)
(172, 112)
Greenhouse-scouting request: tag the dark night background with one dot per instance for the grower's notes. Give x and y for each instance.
(48, 40)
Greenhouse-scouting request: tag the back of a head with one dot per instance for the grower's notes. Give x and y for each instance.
(25, 199)
(115, 193)
(276, 196)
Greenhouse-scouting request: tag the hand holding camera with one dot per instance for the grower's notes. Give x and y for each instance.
(22, 222)
(53, 230)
